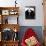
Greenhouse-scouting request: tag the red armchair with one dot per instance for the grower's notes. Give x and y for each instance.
(28, 34)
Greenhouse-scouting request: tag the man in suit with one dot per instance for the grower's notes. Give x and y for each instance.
(30, 14)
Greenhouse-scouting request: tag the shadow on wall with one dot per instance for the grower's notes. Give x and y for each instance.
(37, 29)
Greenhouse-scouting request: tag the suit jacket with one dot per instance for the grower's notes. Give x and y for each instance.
(30, 15)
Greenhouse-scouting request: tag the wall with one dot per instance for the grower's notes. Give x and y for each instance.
(39, 16)
(22, 21)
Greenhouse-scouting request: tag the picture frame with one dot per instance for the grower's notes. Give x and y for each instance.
(5, 12)
(13, 12)
(30, 12)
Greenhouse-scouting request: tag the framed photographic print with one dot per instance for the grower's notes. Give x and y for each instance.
(5, 12)
(30, 12)
(13, 12)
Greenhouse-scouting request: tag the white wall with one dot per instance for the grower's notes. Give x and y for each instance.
(22, 3)
(39, 16)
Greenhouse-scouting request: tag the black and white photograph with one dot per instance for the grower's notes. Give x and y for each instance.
(30, 12)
